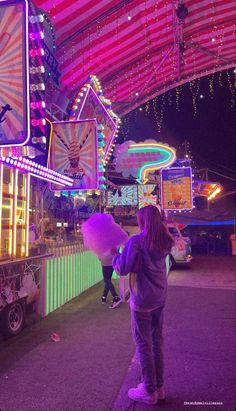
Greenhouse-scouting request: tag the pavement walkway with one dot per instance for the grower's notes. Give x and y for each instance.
(93, 365)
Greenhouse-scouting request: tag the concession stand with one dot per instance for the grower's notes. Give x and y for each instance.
(41, 156)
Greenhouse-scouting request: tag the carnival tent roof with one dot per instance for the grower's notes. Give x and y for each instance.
(140, 48)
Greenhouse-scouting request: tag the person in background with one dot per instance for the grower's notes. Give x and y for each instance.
(107, 270)
(34, 240)
(148, 286)
(50, 232)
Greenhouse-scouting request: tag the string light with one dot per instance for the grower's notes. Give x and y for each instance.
(231, 88)
(177, 97)
(211, 85)
(194, 86)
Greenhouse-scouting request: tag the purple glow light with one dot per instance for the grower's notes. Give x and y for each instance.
(36, 52)
(36, 35)
(45, 173)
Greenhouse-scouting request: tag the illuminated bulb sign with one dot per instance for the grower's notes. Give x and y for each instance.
(90, 103)
(140, 159)
(153, 157)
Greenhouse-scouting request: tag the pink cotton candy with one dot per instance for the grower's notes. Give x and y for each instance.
(101, 234)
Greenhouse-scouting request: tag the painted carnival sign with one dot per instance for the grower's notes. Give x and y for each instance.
(177, 188)
(74, 152)
(146, 195)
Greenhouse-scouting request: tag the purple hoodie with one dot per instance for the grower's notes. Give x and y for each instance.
(148, 286)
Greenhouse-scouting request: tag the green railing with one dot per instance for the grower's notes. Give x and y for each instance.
(67, 274)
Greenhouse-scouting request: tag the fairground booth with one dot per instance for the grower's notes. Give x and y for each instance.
(42, 258)
(58, 135)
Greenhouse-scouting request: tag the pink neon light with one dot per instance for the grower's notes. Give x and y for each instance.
(38, 104)
(38, 122)
(36, 35)
(36, 52)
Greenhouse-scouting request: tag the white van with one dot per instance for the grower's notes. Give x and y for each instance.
(180, 252)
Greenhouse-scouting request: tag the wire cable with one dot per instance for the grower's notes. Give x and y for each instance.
(213, 163)
(222, 175)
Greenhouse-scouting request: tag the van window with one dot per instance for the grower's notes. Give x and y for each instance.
(173, 231)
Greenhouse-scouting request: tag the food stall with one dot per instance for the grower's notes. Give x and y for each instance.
(40, 157)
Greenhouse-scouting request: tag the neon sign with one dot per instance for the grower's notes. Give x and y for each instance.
(140, 159)
(162, 155)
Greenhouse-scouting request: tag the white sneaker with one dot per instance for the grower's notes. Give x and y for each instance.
(140, 394)
(161, 396)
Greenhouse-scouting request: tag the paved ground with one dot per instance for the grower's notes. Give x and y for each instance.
(93, 365)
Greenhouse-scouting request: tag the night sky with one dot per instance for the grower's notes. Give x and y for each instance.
(211, 133)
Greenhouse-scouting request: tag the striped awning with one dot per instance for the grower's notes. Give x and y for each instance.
(140, 48)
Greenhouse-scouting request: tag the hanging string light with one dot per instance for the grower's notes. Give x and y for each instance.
(147, 108)
(169, 98)
(194, 87)
(231, 88)
(177, 97)
(211, 85)
(158, 114)
(220, 79)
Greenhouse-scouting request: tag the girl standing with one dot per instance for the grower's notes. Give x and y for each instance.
(144, 258)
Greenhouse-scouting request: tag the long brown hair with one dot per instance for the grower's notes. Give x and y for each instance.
(156, 234)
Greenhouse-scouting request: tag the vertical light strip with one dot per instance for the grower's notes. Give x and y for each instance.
(51, 286)
(15, 194)
(11, 213)
(1, 194)
(59, 282)
(50, 143)
(27, 199)
(71, 276)
(47, 287)
(62, 278)
(55, 285)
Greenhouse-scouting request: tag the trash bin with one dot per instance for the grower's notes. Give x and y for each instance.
(233, 243)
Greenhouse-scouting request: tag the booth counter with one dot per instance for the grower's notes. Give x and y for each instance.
(49, 281)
